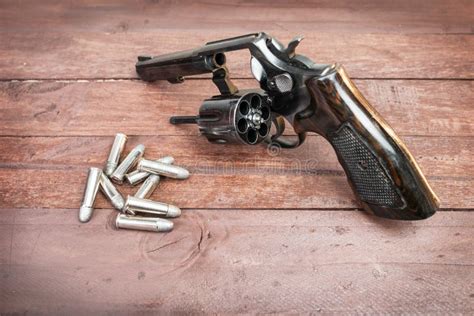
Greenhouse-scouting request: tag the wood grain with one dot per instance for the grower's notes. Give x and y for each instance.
(412, 107)
(85, 55)
(54, 168)
(438, 156)
(242, 16)
(255, 189)
(290, 261)
(261, 232)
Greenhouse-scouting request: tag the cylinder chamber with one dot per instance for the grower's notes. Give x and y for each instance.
(241, 118)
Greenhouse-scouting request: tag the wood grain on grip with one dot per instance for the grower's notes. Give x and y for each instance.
(380, 169)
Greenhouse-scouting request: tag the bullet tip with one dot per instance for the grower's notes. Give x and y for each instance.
(167, 159)
(85, 214)
(164, 225)
(140, 148)
(173, 211)
(183, 174)
(118, 202)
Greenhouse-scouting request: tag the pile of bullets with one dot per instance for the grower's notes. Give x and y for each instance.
(136, 212)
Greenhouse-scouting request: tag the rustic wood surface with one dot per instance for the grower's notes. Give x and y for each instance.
(49, 108)
(262, 231)
(88, 55)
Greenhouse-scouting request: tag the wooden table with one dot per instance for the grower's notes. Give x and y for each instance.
(260, 233)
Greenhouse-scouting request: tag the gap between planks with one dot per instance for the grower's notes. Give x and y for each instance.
(241, 209)
(181, 135)
(120, 79)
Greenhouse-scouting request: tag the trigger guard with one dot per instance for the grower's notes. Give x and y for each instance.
(282, 141)
(290, 141)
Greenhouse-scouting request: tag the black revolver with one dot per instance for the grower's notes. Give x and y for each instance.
(318, 98)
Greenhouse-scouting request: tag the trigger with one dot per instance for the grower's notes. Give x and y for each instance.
(279, 123)
(282, 141)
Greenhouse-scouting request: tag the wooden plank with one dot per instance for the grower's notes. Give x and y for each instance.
(237, 187)
(292, 260)
(321, 16)
(438, 156)
(54, 168)
(412, 107)
(254, 261)
(383, 288)
(85, 55)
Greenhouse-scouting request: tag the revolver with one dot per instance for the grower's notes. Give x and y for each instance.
(318, 98)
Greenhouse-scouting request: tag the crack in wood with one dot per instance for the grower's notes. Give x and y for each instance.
(167, 245)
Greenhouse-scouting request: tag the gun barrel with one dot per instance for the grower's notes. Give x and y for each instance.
(173, 67)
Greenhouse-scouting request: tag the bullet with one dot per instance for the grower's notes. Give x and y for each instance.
(138, 176)
(162, 169)
(153, 224)
(135, 205)
(115, 152)
(112, 194)
(90, 192)
(128, 163)
(148, 187)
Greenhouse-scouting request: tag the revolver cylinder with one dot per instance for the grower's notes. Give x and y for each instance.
(244, 117)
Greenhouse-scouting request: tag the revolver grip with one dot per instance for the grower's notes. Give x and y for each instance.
(380, 169)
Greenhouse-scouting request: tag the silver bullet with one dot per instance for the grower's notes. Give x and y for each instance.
(128, 163)
(162, 169)
(109, 190)
(138, 176)
(115, 152)
(143, 223)
(90, 192)
(135, 205)
(148, 187)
